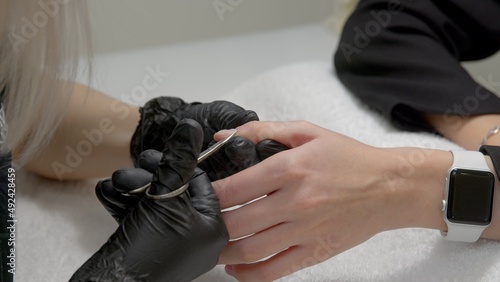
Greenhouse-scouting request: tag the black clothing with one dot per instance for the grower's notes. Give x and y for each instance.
(403, 57)
(5, 244)
(494, 153)
(5, 247)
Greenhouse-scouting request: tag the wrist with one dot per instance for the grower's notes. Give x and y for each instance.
(416, 180)
(493, 139)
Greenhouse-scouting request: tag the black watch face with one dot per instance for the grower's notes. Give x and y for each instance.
(470, 196)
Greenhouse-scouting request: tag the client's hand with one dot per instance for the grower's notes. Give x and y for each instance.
(325, 195)
(160, 116)
(172, 239)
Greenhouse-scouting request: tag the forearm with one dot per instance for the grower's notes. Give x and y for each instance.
(92, 140)
(466, 131)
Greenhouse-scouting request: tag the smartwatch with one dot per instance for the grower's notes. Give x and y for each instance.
(468, 201)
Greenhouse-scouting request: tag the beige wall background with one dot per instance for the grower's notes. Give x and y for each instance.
(128, 24)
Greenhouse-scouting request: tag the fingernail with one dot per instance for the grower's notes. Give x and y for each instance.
(229, 270)
(223, 134)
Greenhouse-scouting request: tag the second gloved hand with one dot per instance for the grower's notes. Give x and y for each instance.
(159, 117)
(173, 239)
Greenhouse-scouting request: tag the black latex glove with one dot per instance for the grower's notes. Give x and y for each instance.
(113, 192)
(160, 115)
(175, 239)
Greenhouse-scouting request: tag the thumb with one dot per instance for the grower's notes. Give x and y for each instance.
(180, 157)
(203, 195)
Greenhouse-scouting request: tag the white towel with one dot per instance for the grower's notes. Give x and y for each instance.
(60, 225)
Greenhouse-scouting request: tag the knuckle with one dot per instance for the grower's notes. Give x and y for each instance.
(308, 204)
(252, 125)
(222, 191)
(303, 123)
(293, 170)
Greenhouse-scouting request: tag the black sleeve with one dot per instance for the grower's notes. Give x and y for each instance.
(494, 153)
(402, 57)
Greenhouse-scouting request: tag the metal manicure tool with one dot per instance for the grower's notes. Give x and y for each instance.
(203, 156)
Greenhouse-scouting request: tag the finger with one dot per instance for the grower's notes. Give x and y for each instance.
(282, 264)
(261, 245)
(203, 195)
(242, 118)
(216, 166)
(117, 204)
(149, 160)
(227, 115)
(241, 152)
(255, 216)
(289, 133)
(179, 157)
(268, 148)
(249, 184)
(126, 180)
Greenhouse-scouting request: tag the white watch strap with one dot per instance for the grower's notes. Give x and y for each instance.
(461, 232)
(469, 160)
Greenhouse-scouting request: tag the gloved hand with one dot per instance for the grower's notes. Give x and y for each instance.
(113, 192)
(174, 239)
(159, 117)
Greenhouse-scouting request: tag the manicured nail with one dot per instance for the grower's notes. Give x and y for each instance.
(223, 134)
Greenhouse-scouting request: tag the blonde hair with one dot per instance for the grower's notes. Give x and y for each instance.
(40, 46)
